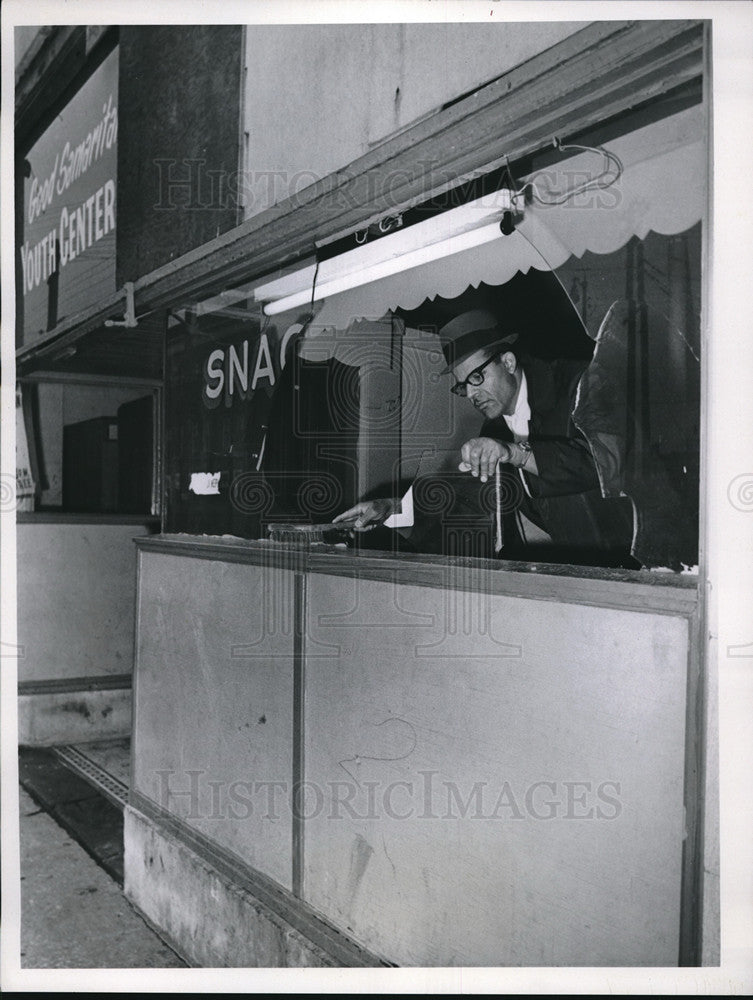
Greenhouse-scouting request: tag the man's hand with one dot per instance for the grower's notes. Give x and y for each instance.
(481, 455)
(365, 515)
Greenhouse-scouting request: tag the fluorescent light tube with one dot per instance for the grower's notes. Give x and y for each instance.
(451, 232)
(386, 268)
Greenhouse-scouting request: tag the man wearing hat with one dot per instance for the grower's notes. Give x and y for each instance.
(549, 505)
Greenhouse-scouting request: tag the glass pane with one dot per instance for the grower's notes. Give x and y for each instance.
(639, 404)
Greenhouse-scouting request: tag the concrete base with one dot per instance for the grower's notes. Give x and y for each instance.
(207, 918)
(61, 717)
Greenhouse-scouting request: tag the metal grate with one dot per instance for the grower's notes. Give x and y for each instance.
(112, 788)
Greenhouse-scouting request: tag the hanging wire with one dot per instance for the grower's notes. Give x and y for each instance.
(549, 267)
(310, 318)
(313, 291)
(265, 321)
(613, 170)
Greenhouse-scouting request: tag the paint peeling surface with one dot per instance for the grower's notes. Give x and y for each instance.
(205, 483)
(360, 854)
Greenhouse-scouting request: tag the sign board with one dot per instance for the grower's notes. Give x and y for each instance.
(66, 255)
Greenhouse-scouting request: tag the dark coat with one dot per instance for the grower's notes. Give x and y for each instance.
(565, 497)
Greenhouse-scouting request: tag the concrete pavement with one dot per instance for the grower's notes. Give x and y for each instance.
(73, 913)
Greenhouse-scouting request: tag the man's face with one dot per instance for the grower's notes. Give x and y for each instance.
(498, 393)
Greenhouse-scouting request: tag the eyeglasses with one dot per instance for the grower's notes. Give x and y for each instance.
(475, 378)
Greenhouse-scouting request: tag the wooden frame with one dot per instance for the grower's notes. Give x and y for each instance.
(622, 589)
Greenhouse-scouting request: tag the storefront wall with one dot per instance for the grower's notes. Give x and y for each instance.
(307, 71)
(178, 155)
(76, 586)
(97, 209)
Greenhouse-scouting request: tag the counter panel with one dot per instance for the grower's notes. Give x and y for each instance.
(213, 703)
(493, 780)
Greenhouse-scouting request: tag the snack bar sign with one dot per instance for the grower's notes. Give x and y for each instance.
(67, 257)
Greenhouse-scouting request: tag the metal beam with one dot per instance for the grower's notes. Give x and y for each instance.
(67, 333)
(87, 378)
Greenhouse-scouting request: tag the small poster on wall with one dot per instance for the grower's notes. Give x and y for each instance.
(24, 477)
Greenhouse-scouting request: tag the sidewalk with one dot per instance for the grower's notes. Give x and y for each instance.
(73, 913)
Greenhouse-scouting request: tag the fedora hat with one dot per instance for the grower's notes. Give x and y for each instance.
(469, 332)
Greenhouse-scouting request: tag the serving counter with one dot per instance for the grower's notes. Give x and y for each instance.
(345, 758)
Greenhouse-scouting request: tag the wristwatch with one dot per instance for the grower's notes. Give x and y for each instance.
(524, 451)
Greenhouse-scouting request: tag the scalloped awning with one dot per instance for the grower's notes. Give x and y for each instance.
(663, 187)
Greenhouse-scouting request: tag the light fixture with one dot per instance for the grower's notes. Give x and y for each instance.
(458, 229)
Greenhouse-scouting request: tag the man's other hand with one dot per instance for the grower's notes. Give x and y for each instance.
(480, 456)
(365, 515)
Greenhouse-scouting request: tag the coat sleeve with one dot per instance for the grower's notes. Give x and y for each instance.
(563, 456)
(565, 466)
